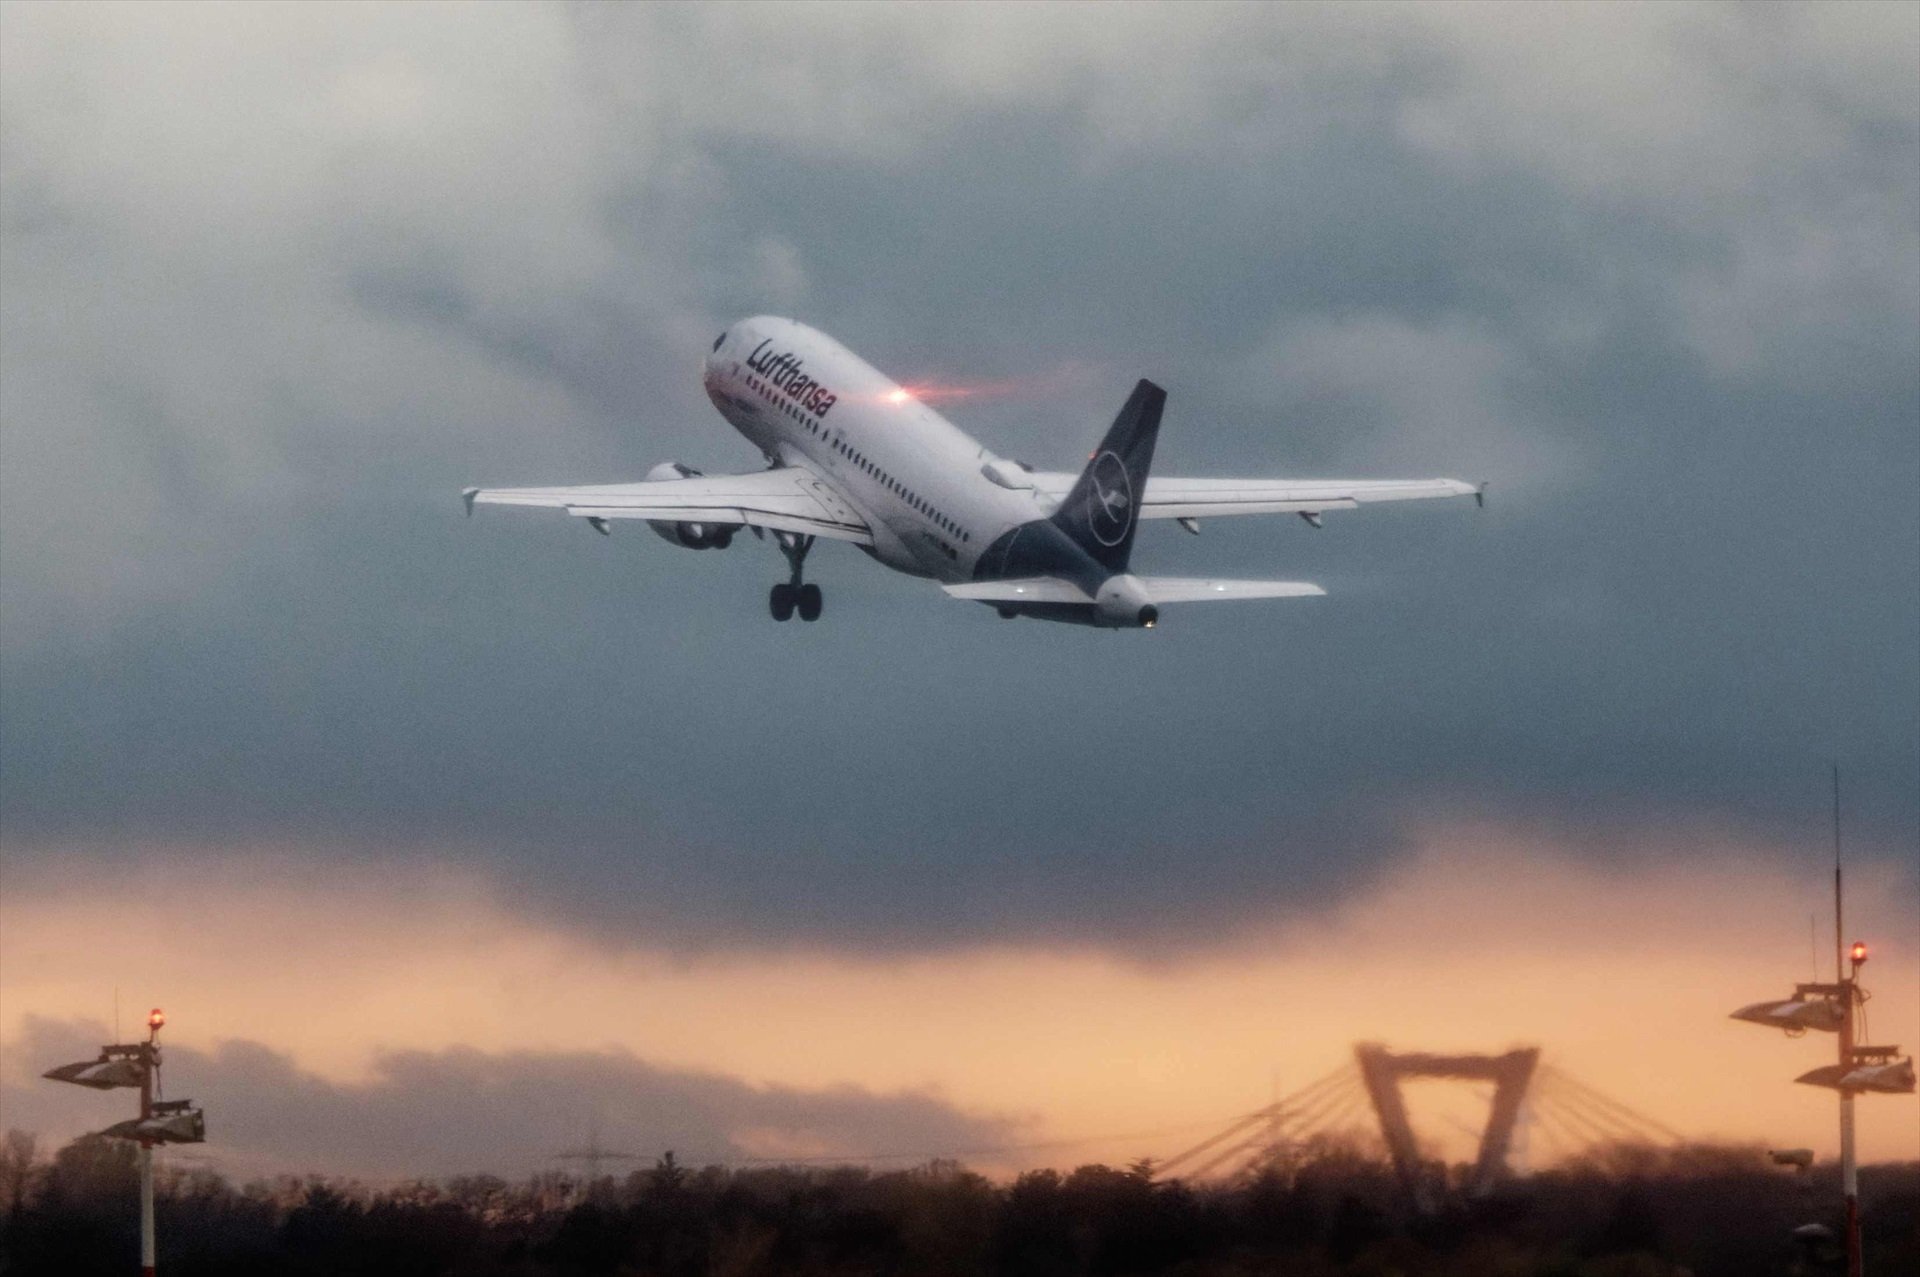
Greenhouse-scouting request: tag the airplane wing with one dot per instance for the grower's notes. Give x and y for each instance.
(1176, 498)
(788, 499)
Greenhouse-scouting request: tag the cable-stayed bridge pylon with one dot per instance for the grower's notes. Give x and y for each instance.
(1528, 1098)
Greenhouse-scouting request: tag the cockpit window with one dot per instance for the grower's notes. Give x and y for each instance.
(717, 340)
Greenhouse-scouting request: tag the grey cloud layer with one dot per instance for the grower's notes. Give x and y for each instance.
(461, 1110)
(277, 284)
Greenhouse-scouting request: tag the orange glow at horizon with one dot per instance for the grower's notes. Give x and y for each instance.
(1483, 940)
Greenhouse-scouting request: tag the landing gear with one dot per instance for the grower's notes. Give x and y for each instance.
(794, 596)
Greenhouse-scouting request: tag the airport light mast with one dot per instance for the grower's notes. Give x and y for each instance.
(131, 1065)
(1835, 1008)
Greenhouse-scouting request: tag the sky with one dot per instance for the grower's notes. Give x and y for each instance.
(530, 834)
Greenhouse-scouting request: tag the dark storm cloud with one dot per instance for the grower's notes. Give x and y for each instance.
(460, 1110)
(1664, 297)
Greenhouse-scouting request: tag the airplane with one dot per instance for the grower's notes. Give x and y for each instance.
(854, 456)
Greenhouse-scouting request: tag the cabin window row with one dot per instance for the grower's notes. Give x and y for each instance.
(900, 490)
(892, 485)
(780, 404)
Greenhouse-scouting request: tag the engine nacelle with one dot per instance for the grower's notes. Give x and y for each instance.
(693, 536)
(1123, 604)
(696, 536)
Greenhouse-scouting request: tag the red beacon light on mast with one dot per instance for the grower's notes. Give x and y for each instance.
(1858, 953)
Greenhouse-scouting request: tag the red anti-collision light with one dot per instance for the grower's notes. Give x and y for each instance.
(1859, 952)
(156, 1018)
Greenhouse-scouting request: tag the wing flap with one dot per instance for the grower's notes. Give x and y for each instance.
(789, 499)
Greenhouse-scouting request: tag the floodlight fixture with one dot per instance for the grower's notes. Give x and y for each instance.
(1894, 1077)
(1879, 1073)
(172, 1122)
(1794, 1015)
(176, 1122)
(1828, 1075)
(102, 1074)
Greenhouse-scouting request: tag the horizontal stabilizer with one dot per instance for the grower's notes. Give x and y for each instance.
(1159, 589)
(1026, 589)
(1175, 497)
(1197, 589)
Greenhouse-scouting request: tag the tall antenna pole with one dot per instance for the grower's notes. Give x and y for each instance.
(1849, 995)
(1839, 937)
(149, 1065)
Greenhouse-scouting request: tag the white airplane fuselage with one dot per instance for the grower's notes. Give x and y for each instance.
(918, 480)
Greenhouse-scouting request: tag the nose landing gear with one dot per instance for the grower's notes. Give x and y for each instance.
(794, 596)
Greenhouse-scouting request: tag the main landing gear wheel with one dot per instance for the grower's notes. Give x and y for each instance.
(794, 595)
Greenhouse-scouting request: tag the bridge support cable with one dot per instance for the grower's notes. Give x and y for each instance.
(1336, 1110)
(1280, 1109)
(1603, 1126)
(1639, 1123)
(1212, 1141)
(1219, 1159)
(1335, 1115)
(1581, 1122)
(1560, 1134)
(1330, 1106)
(1340, 1115)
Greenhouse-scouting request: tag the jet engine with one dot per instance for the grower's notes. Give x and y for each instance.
(694, 536)
(1122, 604)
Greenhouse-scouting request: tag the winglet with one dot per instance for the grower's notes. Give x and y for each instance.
(1480, 494)
(467, 495)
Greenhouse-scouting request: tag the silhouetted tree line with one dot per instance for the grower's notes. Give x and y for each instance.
(1332, 1209)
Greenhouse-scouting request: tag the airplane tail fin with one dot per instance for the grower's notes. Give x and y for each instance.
(1102, 509)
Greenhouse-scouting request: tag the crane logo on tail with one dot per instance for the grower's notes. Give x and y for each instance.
(1109, 500)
